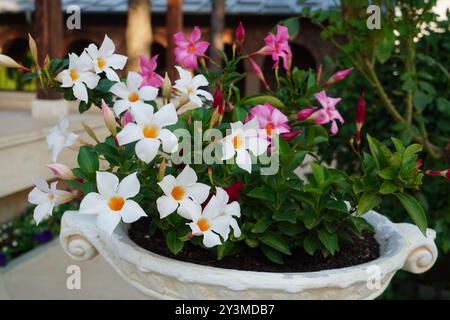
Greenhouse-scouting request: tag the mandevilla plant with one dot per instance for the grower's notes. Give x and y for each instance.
(221, 170)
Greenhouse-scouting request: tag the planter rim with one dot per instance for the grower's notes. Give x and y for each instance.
(393, 238)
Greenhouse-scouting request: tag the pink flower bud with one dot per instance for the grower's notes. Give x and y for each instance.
(259, 73)
(339, 76)
(110, 119)
(240, 33)
(307, 114)
(127, 118)
(61, 171)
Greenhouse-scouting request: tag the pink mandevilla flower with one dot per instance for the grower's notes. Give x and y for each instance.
(148, 67)
(278, 47)
(270, 119)
(327, 114)
(187, 51)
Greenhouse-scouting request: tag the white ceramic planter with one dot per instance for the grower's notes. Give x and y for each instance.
(402, 247)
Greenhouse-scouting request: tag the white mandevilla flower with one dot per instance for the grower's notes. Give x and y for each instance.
(60, 138)
(179, 191)
(150, 132)
(211, 223)
(104, 59)
(46, 198)
(231, 210)
(112, 202)
(244, 137)
(132, 94)
(189, 86)
(79, 76)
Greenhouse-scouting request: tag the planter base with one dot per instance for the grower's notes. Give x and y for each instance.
(402, 246)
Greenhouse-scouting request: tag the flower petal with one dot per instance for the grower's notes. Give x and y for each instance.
(233, 209)
(107, 48)
(210, 239)
(167, 184)
(80, 91)
(111, 74)
(129, 187)
(130, 133)
(190, 210)
(148, 93)
(228, 151)
(187, 177)
(134, 81)
(117, 61)
(143, 114)
(169, 141)
(43, 211)
(120, 106)
(108, 221)
(198, 191)
(107, 184)
(131, 212)
(120, 90)
(166, 205)
(243, 160)
(221, 225)
(93, 203)
(147, 149)
(257, 146)
(166, 116)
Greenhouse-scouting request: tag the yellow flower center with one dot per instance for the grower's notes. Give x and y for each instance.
(237, 142)
(74, 74)
(116, 203)
(101, 63)
(269, 129)
(190, 90)
(191, 49)
(178, 193)
(133, 97)
(150, 132)
(51, 196)
(203, 224)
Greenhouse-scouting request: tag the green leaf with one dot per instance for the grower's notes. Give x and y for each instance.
(261, 225)
(311, 244)
(380, 152)
(239, 114)
(385, 47)
(389, 173)
(272, 255)
(88, 161)
(411, 151)
(388, 187)
(293, 25)
(421, 100)
(398, 144)
(329, 240)
(318, 172)
(261, 99)
(174, 244)
(414, 209)
(296, 160)
(368, 201)
(275, 241)
(263, 193)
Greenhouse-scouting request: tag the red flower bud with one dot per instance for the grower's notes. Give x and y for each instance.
(234, 191)
(360, 116)
(218, 101)
(443, 173)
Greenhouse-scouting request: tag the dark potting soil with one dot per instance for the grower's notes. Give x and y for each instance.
(351, 254)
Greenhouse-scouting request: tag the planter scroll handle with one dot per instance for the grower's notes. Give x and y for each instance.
(76, 232)
(422, 250)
